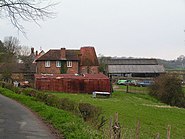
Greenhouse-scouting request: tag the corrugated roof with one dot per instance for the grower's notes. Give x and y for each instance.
(135, 69)
(142, 61)
(86, 76)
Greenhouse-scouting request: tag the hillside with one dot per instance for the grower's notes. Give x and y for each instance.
(154, 116)
(172, 64)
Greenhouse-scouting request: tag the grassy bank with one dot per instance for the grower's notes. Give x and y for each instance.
(153, 115)
(69, 125)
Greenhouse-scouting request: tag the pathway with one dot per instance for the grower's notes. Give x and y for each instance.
(17, 122)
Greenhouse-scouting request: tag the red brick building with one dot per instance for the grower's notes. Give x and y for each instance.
(64, 61)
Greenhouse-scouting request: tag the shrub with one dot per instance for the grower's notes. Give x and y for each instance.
(67, 104)
(41, 96)
(89, 112)
(52, 100)
(29, 92)
(11, 87)
(168, 89)
(2, 84)
(8, 86)
(17, 90)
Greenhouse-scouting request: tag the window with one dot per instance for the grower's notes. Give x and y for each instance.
(58, 64)
(47, 63)
(69, 64)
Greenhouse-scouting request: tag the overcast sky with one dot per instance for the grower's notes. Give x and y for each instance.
(128, 28)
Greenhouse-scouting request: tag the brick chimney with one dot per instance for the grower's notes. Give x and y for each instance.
(36, 53)
(63, 53)
(32, 50)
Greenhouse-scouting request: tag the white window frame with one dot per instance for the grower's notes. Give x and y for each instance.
(69, 64)
(58, 64)
(47, 64)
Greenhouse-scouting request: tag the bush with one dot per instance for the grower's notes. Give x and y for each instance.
(168, 89)
(8, 85)
(67, 104)
(11, 87)
(41, 96)
(52, 100)
(89, 112)
(2, 84)
(17, 90)
(29, 92)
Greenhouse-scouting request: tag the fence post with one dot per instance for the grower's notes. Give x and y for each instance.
(168, 132)
(158, 136)
(127, 89)
(137, 129)
(116, 128)
(110, 132)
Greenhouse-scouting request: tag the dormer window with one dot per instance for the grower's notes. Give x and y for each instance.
(47, 64)
(69, 64)
(58, 64)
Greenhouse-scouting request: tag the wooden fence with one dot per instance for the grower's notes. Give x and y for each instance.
(115, 131)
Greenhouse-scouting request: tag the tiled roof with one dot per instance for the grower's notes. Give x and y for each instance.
(86, 56)
(50, 55)
(72, 54)
(56, 55)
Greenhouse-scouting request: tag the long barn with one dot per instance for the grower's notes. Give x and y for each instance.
(135, 68)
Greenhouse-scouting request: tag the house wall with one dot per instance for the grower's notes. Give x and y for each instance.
(89, 69)
(55, 70)
(47, 70)
(74, 69)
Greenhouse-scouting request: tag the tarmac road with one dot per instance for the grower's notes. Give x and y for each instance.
(17, 122)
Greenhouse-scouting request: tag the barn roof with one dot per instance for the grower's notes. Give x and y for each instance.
(142, 61)
(135, 69)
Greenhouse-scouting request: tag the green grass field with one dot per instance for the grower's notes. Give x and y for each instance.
(133, 89)
(154, 116)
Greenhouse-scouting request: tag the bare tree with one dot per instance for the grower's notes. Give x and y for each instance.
(25, 51)
(2, 51)
(12, 45)
(27, 10)
(12, 49)
(26, 56)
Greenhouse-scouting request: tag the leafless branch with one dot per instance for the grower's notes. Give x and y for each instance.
(26, 10)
